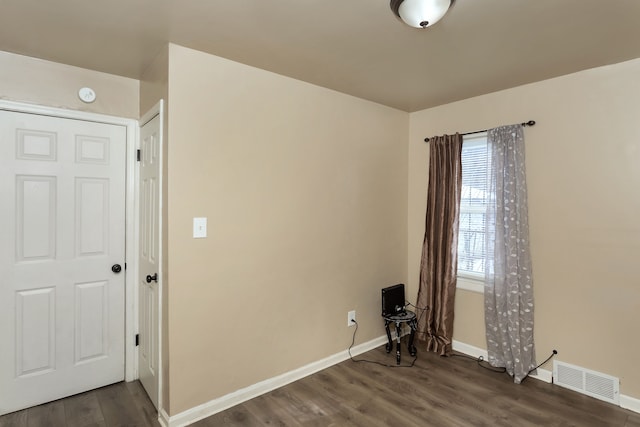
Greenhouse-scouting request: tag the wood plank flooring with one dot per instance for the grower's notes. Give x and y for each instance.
(121, 404)
(437, 391)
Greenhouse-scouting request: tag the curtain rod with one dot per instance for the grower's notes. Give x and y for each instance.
(529, 123)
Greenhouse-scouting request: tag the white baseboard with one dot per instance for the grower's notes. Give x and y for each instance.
(542, 375)
(626, 402)
(227, 401)
(163, 418)
(469, 350)
(630, 403)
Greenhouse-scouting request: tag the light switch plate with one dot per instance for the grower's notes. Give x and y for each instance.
(199, 228)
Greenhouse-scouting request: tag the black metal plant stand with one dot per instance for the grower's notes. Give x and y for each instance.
(398, 319)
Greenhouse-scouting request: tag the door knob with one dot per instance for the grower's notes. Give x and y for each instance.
(154, 278)
(116, 268)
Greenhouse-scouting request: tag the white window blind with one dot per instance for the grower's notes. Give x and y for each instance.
(473, 205)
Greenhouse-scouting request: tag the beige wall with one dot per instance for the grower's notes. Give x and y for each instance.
(305, 190)
(154, 83)
(41, 82)
(583, 171)
(154, 86)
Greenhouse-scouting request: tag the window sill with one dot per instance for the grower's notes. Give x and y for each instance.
(470, 285)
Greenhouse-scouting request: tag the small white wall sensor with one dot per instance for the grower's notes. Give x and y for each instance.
(86, 94)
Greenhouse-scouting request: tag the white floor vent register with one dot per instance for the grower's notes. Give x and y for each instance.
(585, 381)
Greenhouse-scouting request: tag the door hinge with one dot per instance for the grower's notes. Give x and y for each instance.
(125, 265)
(138, 155)
(137, 340)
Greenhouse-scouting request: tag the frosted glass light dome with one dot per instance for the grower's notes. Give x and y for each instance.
(420, 13)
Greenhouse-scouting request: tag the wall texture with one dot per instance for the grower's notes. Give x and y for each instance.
(41, 82)
(305, 191)
(583, 171)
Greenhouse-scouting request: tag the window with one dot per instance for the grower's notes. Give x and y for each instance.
(473, 206)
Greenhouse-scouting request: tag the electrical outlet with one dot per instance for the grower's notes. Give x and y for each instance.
(351, 318)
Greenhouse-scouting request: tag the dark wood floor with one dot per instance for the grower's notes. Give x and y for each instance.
(121, 404)
(437, 391)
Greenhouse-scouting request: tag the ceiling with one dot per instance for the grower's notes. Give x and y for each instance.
(353, 46)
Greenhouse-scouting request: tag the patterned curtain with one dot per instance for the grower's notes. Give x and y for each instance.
(438, 267)
(508, 296)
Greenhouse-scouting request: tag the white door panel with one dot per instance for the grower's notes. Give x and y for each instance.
(148, 261)
(62, 227)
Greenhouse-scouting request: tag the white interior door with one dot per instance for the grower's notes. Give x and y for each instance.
(149, 256)
(62, 228)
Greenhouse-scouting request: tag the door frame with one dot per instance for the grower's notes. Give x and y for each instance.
(156, 110)
(131, 214)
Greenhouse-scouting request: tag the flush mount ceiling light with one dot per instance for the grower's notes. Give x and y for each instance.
(420, 13)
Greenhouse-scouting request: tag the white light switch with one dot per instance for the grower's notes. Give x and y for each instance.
(199, 228)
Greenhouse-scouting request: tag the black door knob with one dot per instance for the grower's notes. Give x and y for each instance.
(154, 278)
(116, 268)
